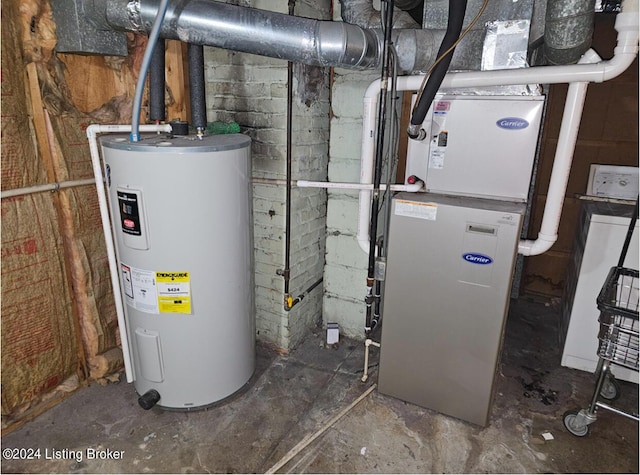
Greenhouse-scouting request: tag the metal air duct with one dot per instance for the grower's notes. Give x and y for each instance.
(568, 30)
(276, 35)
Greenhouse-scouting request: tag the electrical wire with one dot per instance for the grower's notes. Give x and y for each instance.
(451, 48)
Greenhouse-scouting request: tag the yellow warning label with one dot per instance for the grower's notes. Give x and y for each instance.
(174, 292)
(174, 305)
(172, 276)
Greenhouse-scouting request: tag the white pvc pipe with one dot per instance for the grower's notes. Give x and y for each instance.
(28, 190)
(417, 186)
(567, 138)
(367, 343)
(92, 134)
(624, 54)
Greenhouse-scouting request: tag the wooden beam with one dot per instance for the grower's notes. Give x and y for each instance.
(65, 221)
(177, 80)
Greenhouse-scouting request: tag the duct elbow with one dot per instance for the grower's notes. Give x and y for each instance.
(528, 247)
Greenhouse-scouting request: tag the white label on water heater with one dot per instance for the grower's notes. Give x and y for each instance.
(139, 287)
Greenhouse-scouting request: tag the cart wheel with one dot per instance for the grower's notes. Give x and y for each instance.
(569, 420)
(610, 389)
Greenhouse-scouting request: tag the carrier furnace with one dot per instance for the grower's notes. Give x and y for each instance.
(452, 253)
(181, 216)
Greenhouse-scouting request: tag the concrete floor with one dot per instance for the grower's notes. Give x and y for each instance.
(293, 396)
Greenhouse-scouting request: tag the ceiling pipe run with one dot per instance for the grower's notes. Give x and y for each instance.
(275, 35)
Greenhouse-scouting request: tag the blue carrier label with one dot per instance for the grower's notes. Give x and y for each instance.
(475, 258)
(512, 123)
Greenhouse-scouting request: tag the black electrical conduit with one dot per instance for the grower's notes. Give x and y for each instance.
(377, 177)
(457, 9)
(383, 243)
(157, 111)
(195, 54)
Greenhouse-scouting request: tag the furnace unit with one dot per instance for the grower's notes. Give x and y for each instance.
(449, 269)
(452, 252)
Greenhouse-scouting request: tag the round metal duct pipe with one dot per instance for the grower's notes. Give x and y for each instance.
(568, 30)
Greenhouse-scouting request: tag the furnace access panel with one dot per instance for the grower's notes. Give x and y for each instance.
(449, 270)
(480, 146)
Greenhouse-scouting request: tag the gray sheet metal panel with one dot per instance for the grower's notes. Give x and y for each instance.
(443, 316)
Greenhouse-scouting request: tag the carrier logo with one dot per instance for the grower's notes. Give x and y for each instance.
(475, 258)
(512, 123)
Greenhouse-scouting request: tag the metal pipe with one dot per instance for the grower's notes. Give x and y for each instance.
(293, 302)
(286, 272)
(277, 35)
(568, 29)
(370, 297)
(28, 190)
(377, 168)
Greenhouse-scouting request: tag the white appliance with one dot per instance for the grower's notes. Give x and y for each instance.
(481, 146)
(612, 181)
(181, 216)
(601, 233)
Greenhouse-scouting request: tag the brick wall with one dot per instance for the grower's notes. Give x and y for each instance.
(252, 90)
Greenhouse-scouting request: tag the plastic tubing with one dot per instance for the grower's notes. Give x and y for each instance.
(92, 134)
(417, 186)
(47, 187)
(144, 67)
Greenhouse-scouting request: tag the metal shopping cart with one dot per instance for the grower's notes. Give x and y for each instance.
(617, 340)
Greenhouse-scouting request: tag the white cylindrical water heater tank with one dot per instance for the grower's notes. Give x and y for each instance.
(181, 214)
